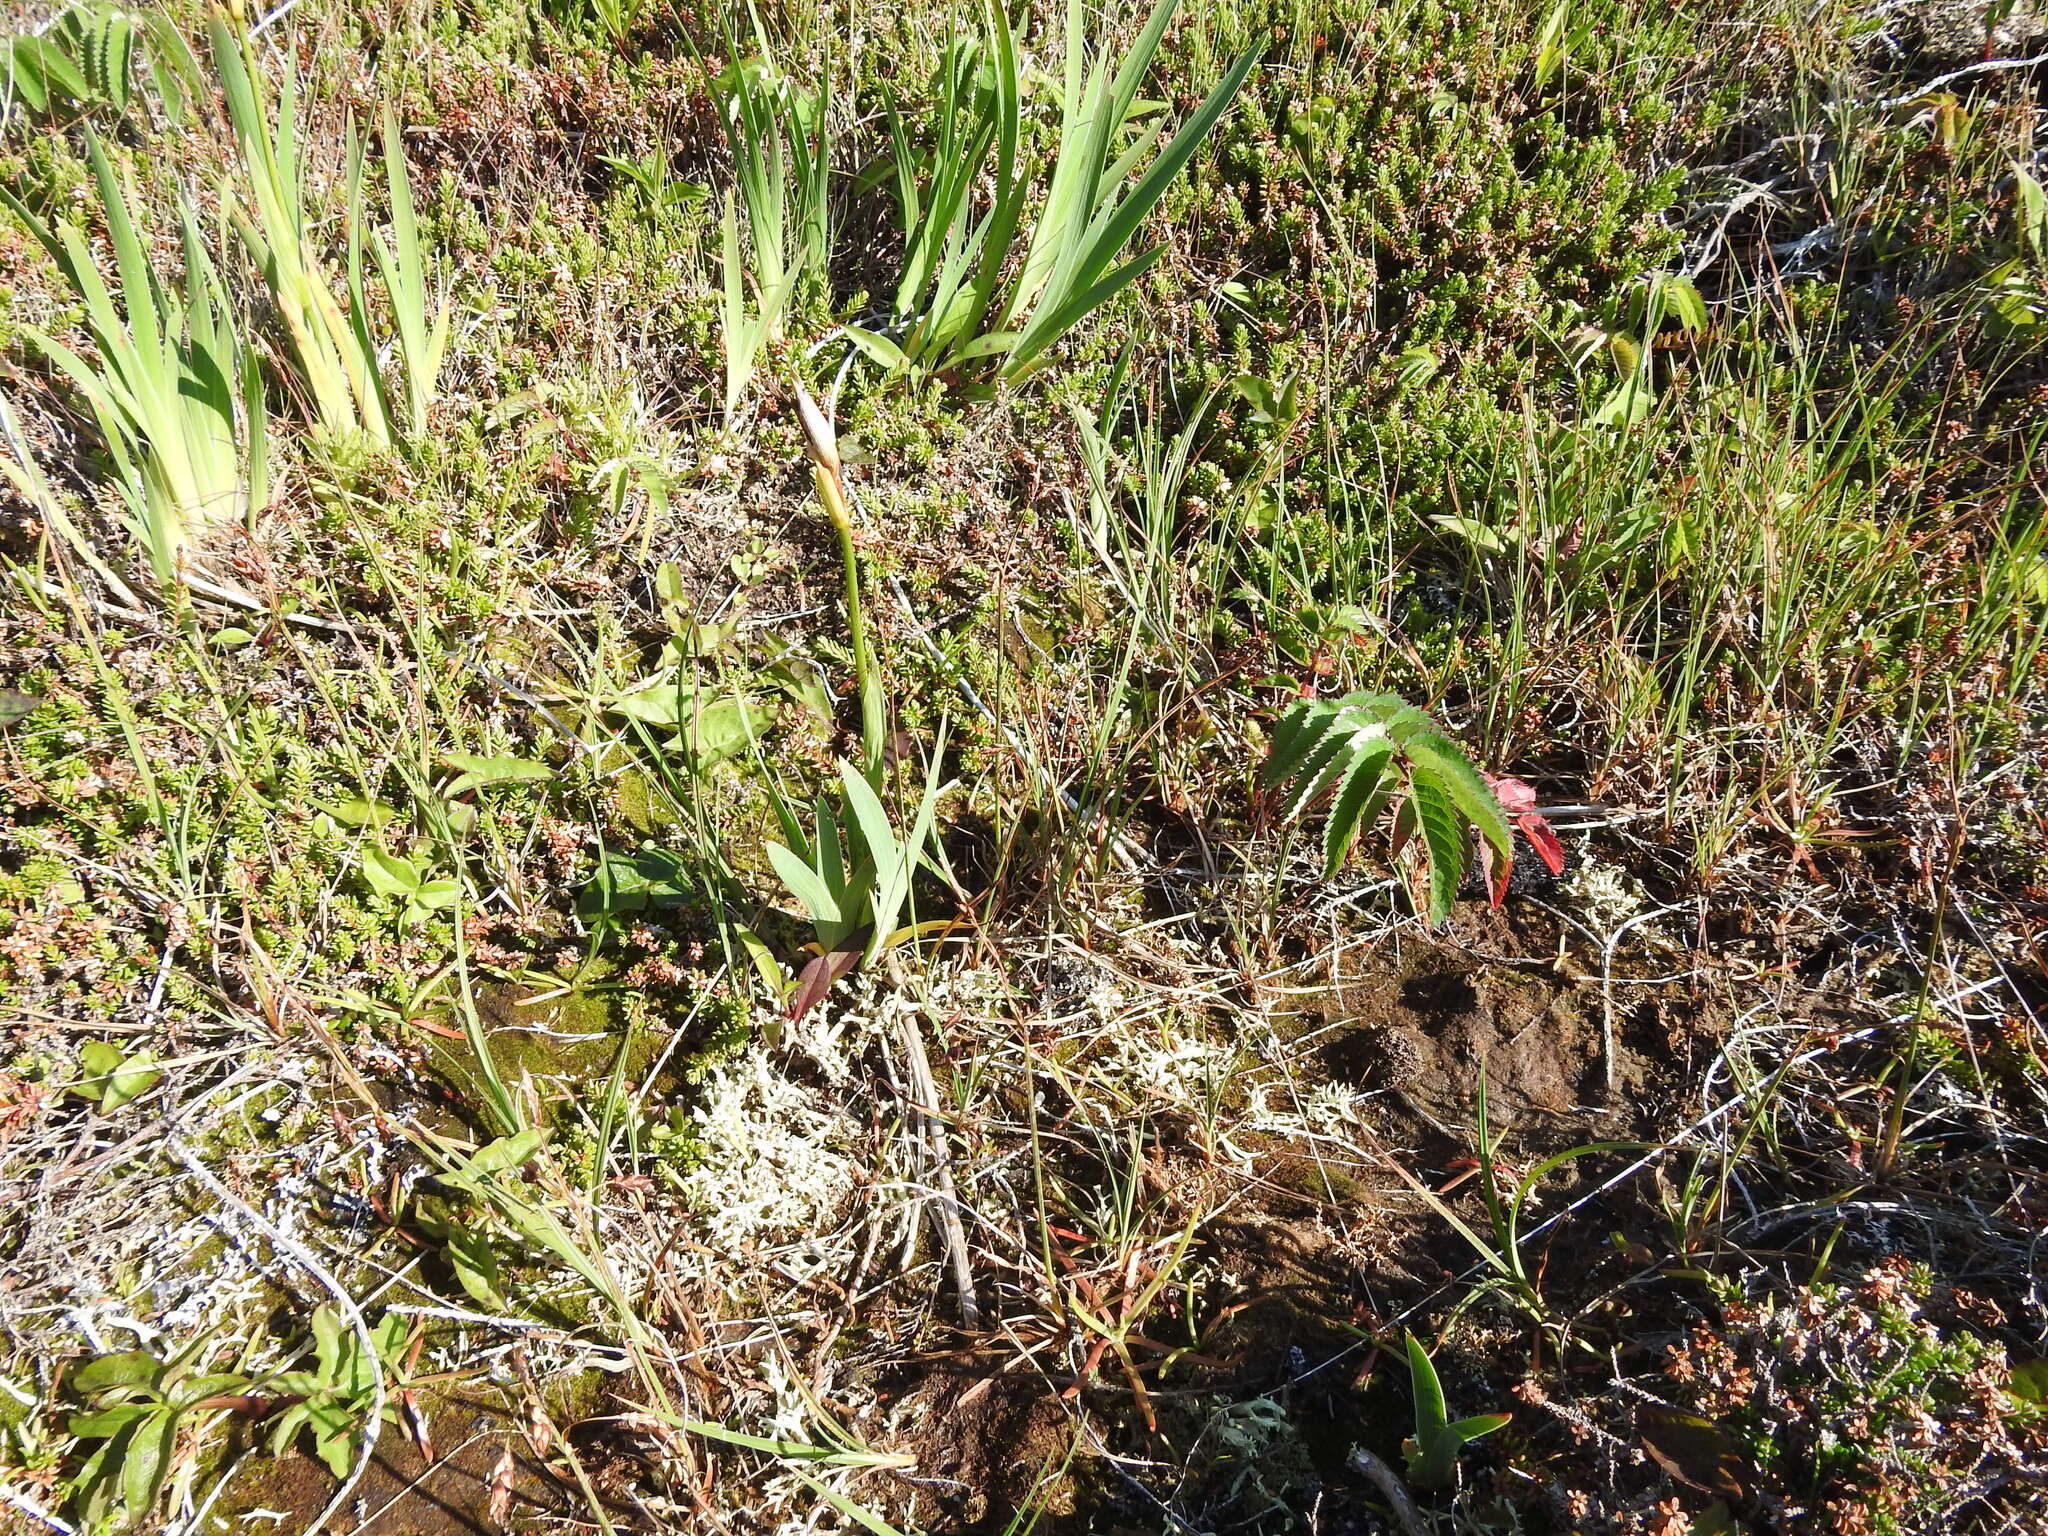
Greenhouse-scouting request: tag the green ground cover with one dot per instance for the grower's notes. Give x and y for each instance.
(1253, 768)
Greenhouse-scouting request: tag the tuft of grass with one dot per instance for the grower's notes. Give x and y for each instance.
(983, 289)
(172, 384)
(333, 353)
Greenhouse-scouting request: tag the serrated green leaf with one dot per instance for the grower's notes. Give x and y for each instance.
(1443, 842)
(1440, 758)
(1294, 735)
(390, 1335)
(285, 1427)
(1361, 788)
(1683, 302)
(328, 1332)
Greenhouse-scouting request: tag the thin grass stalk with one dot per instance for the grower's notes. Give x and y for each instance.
(821, 444)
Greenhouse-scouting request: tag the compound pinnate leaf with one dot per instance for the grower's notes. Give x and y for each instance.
(1374, 750)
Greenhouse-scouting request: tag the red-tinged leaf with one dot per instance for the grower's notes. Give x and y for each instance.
(1516, 798)
(1543, 840)
(416, 1419)
(1404, 828)
(1496, 880)
(818, 978)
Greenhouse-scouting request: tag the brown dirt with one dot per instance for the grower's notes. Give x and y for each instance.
(984, 1437)
(1428, 1023)
(402, 1494)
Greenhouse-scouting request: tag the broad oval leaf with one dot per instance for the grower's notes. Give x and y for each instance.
(387, 874)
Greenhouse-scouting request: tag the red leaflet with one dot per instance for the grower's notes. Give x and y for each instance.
(1518, 800)
(816, 979)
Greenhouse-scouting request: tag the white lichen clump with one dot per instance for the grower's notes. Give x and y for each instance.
(1604, 896)
(769, 1155)
(1186, 1072)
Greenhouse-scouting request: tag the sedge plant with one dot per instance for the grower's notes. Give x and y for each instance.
(983, 291)
(332, 352)
(414, 285)
(780, 138)
(171, 384)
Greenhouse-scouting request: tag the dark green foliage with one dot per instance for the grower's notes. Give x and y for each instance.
(1370, 751)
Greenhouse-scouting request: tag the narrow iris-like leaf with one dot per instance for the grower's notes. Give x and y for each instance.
(805, 885)
(1429, 1393)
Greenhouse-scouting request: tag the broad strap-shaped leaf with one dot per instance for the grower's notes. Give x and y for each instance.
(496, 1157)
(476, 772)
(147, 1460)
(1478, 1425)
(806, 886)
(1430, 1413)
(109, 1422)
(867, 818)
(131, 1368)
(879, 348)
